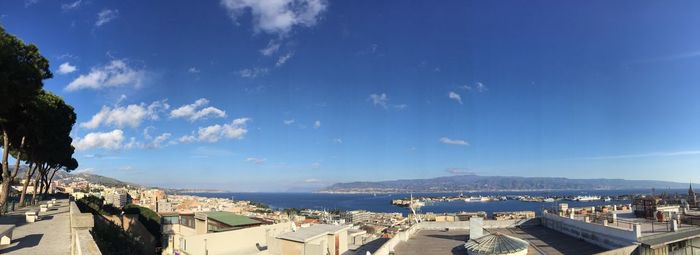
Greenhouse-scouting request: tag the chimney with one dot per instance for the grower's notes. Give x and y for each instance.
(476, 227)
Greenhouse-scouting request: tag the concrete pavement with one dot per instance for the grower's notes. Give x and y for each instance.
(50, 235)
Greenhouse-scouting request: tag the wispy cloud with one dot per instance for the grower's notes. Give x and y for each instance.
(71, 6)
(312, 180)
(272, 47)
(252, 73)
(193, 70)
(671, 57)
(454, 96)
(283, 59)
(446, 140)
(379, 99)
(106, 16)
(317, 124)
(257, 161)
(382, 100)
(459, 171)
(477, 86)
(316, 165)
(647, 155)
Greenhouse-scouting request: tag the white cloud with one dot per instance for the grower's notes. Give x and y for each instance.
(454, 96)
(146, 132)
(459, 171)
(446, 140)
(98, 140)
(379, 99)
(105, 16)
(646, 155)
(71, 6)
(126, 116)
(194, 112)
(317, 124)
(252, 72)
(289, 122)
(121, 99)
(400, 106)
(257, 161)
(115, 74)
(159, 141)
(133, 144)
(478, 87)
(234, 130)
(338, 140)
(193, 70)
(272, 47)
(383, 101)
(187, 139)
(311, 180)
(277, 16)
(283, 59)
(66, 68)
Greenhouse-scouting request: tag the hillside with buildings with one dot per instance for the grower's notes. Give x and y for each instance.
(465, 183)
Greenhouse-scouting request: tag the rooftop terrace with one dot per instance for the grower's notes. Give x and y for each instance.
(541, 240)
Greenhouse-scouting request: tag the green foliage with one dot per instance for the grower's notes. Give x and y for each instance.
(147, 217)
(110, 238)
(95, 205)
(22, 71)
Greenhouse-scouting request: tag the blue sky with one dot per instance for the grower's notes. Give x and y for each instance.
(292, 95)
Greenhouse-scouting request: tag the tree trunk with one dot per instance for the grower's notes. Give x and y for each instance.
(5, 152)
(52, 175)
(45, 180)
(36, 186)
(5, 184)
(27, 179)
(19, 156)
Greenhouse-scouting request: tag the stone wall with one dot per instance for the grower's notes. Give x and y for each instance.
(603, 236)
(82, 242)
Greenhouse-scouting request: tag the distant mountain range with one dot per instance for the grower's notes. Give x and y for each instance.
(466, 183)
(90, 177)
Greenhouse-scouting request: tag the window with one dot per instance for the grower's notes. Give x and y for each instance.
(187, 220)
(169, 220)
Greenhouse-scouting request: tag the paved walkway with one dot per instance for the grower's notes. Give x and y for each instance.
(50, 235)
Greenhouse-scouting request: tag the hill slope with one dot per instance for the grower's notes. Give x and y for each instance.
(461, 183)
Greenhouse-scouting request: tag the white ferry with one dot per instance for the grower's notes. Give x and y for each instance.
(586, 198)
(477, 199)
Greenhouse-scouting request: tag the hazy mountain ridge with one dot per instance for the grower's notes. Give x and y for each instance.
(90, 177)
(461, 183)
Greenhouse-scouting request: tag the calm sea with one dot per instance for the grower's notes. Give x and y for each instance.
(382, 202)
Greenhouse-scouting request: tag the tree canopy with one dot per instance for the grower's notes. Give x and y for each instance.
(35, 124)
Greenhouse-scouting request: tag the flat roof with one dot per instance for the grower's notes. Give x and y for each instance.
(670, 237)
(308, 233)
(231, 219)
(541, 241)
